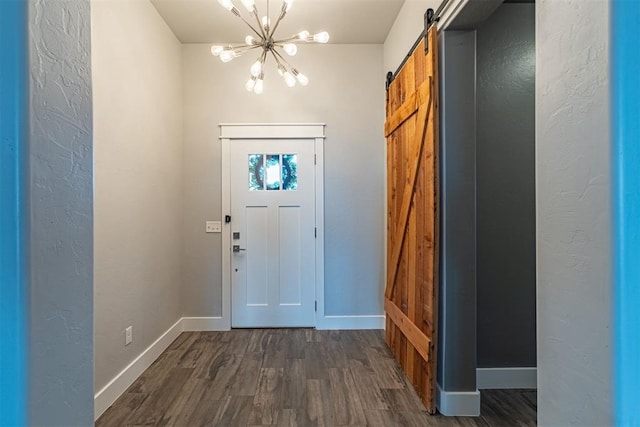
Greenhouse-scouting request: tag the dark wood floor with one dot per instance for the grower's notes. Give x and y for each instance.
(291, 377)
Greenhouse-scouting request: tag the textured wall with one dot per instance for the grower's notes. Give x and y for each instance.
(405, 31)
(347, 93)
(138, 180)
(61, 228)
(573, 168)
(505, 160)
(457, 319)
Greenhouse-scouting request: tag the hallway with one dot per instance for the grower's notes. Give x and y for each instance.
(290, 377)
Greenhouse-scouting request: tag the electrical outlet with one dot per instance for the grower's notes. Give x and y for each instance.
(128, 335)
(213, 227)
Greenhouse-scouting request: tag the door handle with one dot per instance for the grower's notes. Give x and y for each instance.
(237, 248)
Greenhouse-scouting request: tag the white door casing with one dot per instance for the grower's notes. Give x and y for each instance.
(278, 277)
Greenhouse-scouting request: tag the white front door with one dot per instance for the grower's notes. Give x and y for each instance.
(272, 233)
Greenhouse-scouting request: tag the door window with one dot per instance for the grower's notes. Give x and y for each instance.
(273, 172)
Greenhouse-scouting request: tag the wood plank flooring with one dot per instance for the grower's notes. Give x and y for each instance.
(291, 377)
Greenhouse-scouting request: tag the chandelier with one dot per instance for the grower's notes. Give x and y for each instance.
(265, 42)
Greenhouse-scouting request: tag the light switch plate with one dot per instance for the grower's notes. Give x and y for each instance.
(214, 227)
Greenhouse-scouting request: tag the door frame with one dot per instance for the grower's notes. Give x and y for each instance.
(230, 132)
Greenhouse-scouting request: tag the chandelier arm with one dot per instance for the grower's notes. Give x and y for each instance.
(279, 42)
(289, 40)
(278, 63)
(244, 48)
(251, 26)
(296, 39)
(276, 53)
(283, 12)
(255, 14)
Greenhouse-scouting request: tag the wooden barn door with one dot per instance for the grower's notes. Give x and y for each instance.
(411, 296)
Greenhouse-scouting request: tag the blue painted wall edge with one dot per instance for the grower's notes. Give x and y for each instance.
(13, 212)
(625, 60)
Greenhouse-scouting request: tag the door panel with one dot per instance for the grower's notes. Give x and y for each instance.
(257, 225)
(411, 295)
(273, 210)
(290, 262)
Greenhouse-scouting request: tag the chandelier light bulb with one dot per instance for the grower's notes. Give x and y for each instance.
(249, 4)
(303, 35)
(256, 68)
(287, 5)
(227, 55)
(250, 40)
(259, 86)
(322, 37)
(266, 22)
(281, 70)
(251, 83)
(217, 50)
(290, 48)
(302, 79)
(289, 79)
(227, 4)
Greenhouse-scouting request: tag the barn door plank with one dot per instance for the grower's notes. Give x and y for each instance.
(411, 294)
(407, 196)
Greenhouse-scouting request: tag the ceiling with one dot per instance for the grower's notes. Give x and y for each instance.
(348, 21)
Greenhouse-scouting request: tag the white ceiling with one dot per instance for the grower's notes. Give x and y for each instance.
(347, 21)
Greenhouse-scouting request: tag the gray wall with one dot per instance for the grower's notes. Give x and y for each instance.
(61, 215)
(137, 86)
(457, 320)
(347, 93)
(573, 183)
(505, 197)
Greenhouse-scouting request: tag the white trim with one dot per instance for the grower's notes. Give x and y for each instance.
(319, 176)
(351, 322)
(104, 398)
(450, 12)
(226, 233)
(495, 378)
(458, 403)
(270, 131)
(198, 324)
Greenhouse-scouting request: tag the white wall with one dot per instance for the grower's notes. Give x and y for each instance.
(573, 168)
(405, 31)
(347, 93)
(137, 87)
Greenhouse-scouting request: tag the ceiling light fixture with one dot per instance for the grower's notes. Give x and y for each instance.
(264, 39)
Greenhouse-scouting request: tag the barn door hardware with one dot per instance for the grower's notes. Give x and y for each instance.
(429, 19)
(389, 80)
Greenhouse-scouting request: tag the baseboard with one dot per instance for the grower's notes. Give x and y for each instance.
(458, 403)
(351, 322)
(197, 324)
(494, 378)
(104, 398)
